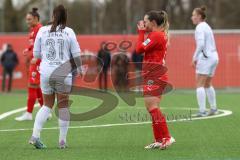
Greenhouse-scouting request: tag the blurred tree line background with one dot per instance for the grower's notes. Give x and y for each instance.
(118, 16)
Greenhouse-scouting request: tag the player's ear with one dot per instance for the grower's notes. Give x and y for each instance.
(154, 23)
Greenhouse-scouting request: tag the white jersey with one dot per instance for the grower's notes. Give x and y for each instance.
(55, 48)
(205, 43)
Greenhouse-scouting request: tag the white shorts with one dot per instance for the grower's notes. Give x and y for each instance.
(56, 85)
(206, 66)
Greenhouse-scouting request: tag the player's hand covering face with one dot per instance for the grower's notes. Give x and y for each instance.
(141, 25)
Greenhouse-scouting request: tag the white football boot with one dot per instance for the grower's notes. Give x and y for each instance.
(24, 117)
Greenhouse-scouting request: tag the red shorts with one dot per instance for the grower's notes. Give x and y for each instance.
(155, 80)
(34, 75)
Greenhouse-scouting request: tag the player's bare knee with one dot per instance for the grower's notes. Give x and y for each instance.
(200, 84)
(207, 85)
(62, 101)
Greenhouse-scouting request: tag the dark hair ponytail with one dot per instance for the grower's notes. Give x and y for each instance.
(201, 11)
(59, 18)
(35, 13)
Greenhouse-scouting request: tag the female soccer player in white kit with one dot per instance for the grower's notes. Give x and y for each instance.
(55, 44)
(205, 60)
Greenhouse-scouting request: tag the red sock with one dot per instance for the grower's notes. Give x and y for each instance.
(32, 96)
(40, 96)
(159, 125)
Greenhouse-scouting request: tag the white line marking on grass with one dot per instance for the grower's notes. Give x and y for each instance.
(6, 114)
(224, 113)
(9, 113)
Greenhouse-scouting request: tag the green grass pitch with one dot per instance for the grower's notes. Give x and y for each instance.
(208, 139)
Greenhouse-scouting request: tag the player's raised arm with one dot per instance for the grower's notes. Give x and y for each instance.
(152, 40)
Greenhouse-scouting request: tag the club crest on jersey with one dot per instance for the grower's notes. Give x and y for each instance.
(150, 82)
(149, 86)
(146, 42)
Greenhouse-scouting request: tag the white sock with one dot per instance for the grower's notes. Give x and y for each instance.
(201, 98)
(211, 95)
(41, 118)
(63, 121)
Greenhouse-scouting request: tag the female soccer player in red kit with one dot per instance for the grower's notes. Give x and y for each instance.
(156, 24)
(34, 91)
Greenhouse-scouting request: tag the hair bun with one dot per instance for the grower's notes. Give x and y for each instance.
(203, 8)
(34, 9)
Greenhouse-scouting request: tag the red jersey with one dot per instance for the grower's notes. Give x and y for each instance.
(34, 75)
(32, 36)
(154, 71)
(154, 47)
